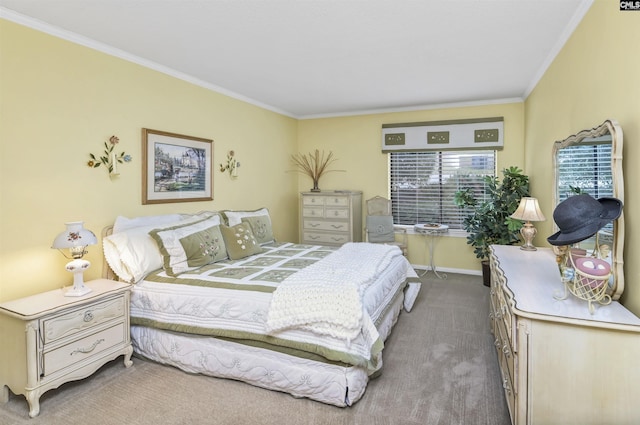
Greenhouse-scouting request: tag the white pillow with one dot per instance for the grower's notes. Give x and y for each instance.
(410, 295)
(124, 223)
(132, 254)
(178, 258)
(235, 217)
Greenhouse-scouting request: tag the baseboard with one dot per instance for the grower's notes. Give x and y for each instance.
(449, 270)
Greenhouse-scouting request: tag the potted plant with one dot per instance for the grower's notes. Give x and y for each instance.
(489, 221)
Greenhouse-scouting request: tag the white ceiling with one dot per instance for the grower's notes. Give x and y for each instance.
(314, 58)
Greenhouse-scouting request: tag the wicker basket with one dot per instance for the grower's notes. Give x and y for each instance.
(587, 279)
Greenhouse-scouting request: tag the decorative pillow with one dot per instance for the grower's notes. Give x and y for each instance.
(190, 246)
(261, 227)
(235, 217)
(240, 241)
(132, 254)
(380, 228)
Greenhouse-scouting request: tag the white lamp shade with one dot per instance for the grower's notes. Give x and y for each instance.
(74, 236)
(528, 210)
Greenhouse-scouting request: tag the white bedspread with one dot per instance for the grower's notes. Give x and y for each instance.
(326, 297)
(232, 298)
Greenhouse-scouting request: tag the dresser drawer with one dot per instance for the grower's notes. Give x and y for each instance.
(333, 226)
(507, 386)
(325, 238)
(313, 212)
(336, 213)
(503, 312)
(78, 350)
(337, 201)
(80, 319)
(313, 200)
(503, 345)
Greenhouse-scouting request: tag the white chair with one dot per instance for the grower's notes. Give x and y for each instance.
(379, 225)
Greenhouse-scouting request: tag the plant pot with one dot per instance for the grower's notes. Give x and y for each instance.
(486, 273)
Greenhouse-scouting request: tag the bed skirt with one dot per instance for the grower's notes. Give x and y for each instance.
(339, 385)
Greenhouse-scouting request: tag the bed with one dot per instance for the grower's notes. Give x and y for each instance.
(213, 293)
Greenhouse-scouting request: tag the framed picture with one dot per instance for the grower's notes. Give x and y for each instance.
(176, 168)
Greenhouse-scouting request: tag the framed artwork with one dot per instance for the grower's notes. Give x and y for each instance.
(176, 168)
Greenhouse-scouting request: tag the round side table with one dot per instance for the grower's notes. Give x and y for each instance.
(431, 231)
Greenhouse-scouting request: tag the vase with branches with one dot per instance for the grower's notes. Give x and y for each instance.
(315, 165)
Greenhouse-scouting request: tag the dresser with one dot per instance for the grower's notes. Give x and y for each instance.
(49, 339)
(559, 363)
(330, 218)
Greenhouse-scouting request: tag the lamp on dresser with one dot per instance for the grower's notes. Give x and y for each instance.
(76, 238)
(528, 211)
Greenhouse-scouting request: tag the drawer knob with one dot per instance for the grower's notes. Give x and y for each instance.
(88, 316)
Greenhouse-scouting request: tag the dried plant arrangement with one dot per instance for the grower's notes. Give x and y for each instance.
(314, 165)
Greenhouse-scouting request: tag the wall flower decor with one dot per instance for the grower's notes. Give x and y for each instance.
(232, 165)
(314, 165)
(109, 158)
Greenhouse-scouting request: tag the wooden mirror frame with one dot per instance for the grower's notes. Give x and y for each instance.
(613, 128)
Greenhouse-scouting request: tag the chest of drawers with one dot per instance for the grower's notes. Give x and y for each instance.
(559, 363)
(330, 218)
(49, 339)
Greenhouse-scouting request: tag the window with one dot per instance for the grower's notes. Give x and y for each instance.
(423, 184)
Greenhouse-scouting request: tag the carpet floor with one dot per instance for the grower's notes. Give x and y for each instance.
(440, 368)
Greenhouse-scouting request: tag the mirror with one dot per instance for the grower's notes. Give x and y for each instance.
(591, 162)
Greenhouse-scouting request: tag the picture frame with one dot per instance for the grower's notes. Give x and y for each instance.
(176, 168)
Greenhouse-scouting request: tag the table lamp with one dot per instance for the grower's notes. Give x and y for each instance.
(76, 238)
(528, 211)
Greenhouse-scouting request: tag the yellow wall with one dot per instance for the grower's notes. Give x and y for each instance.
(594, 78)
(61, 101)
(356, 142)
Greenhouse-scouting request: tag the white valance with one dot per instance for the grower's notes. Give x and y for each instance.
(482, 133)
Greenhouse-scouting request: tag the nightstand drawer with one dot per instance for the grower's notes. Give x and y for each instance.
(83, 318)
(333, 226)
(78, 350)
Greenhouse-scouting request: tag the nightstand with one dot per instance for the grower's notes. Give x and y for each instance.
(49, 339)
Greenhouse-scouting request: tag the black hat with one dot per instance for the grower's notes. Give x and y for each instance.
(580, 217)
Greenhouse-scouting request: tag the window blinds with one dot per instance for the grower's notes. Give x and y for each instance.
(423, 184)
(586, 167)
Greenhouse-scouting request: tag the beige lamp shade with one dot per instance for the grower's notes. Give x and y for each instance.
(528, 210)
